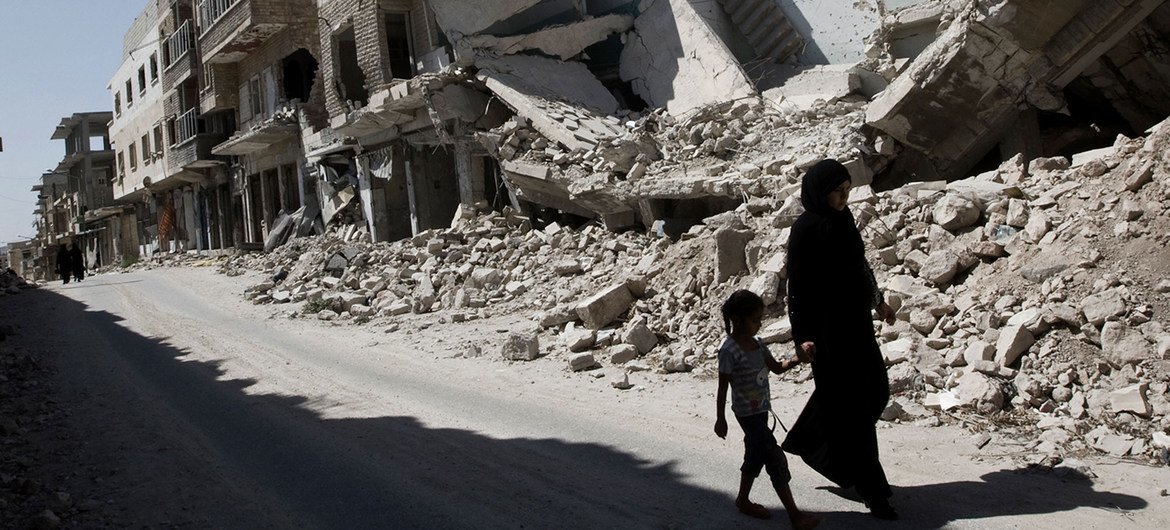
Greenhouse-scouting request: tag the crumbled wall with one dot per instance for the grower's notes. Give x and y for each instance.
(673, 59)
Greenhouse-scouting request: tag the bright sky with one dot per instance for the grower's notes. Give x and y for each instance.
(56, 57)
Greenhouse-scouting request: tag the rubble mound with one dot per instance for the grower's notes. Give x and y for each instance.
(1029, 294)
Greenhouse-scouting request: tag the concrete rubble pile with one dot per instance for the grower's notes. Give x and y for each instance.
(1024, 289)
(12, 283)
(1031, 293)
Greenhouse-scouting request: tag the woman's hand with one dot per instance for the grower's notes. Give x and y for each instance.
(886, 313)
(806, 352)
(721, 427)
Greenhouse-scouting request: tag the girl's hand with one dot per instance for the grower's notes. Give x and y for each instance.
(806, 352)
(721, 427)
(886, 313)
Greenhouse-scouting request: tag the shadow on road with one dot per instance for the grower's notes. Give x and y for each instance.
(369, 472)
(395, 471)
(1001, 493)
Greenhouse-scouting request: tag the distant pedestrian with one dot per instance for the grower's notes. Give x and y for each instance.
(831, 293)
(744, 366)
(77, 259)
(64, 263)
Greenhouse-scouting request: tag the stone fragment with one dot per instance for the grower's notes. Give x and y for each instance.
(348, 300)
(1017, 214)
(1142, 175)
(1131, 399)
(1114, 444)
(940, 267)
(676, 363)
(767, 285)
(980, 392)
(641, 337)
(622, 353)
(578, 339)
(326, 314)
(903, 377)
(1013, 340)
(730, 258)
(1099, 307)
(953, 212)
(361, 310)
(623, 383)
(424, 295)
(606, 305)
(581, 361)
(778, 331)
(400, 307)
(567, 267)
(1124, 345)
(897, 351)
(978, 351)
(521, 346)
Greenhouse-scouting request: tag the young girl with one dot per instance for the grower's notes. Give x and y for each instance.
(744, 363)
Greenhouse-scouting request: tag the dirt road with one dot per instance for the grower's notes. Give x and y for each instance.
(190, 407)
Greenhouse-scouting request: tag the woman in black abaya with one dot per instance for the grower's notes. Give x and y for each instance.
(831, 292)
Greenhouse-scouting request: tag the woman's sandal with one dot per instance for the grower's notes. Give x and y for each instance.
(754, 510)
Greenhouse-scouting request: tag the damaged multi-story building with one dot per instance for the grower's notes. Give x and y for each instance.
(75, 199)
(284, 117)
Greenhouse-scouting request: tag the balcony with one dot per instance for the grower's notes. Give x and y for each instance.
(221, 88)
(192, 146)
(230, 29)
(179, 48)
(269, 132)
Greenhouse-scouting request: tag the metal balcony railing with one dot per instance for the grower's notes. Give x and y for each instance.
(211, 10)
(186, 126)
(180, 42)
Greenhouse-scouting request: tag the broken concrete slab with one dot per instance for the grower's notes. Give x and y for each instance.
(548, 79)
(1131, 399)
(1013, 340)
(730, 258)
(673, 59)
(604, 307)
(802, 87)
(563, 41)
(458, 17)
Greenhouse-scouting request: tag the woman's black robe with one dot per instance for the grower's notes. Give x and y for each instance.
(831, 291)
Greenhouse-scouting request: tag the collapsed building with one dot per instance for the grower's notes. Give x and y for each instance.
(667, 111)
(282, 118)
(998, 233)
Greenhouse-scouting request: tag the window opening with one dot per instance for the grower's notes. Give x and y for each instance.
(353, 82)
(401, 58)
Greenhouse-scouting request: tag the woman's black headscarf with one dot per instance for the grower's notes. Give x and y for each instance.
(818, 182)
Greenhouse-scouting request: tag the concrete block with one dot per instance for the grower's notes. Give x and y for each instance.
(641, 337)
(520, 347)
(582, 361)
(605, 306)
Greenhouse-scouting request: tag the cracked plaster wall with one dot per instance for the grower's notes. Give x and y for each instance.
(673, 59)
